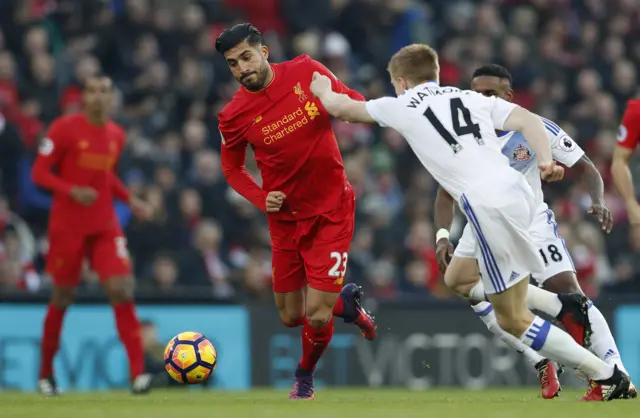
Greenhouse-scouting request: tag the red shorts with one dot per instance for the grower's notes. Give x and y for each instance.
(106, 251)
(313, 251)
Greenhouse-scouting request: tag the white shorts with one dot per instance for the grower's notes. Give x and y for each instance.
(544, 231)
(499, 215)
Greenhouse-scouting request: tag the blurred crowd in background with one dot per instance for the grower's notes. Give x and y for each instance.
(573, 61)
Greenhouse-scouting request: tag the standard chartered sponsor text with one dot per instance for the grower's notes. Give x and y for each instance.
(284, 126)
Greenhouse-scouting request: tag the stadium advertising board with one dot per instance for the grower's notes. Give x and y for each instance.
(627, 331)
(416, 349)
(91, 356)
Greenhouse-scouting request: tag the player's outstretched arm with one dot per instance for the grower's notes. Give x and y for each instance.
(238, 177)
(339, 105)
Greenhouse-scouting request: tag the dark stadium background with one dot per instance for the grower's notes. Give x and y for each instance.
(575, 62)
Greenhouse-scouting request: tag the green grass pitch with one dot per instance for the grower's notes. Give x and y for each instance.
(329, 403)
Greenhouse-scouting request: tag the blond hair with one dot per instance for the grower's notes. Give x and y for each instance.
(415, 63)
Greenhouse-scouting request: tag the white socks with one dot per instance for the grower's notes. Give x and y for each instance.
(477, 293)
(543, 301)
(557, 345)
(538, 299)
(485, 312)
(602, 342)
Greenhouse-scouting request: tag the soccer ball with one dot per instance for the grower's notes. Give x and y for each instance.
(190, 358)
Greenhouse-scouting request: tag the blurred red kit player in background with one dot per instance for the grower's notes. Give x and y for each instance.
(627, 141)
(83, 149)
(310, 205)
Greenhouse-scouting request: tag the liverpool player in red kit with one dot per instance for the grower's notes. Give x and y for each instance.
(84, 149)
(310, 205)
(628, 139)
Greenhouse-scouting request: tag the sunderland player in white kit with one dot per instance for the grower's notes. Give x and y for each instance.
(453, 134)
(559, 273)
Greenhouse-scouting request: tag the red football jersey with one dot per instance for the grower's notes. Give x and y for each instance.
(629, 130)
(84, 155)
(291, 135)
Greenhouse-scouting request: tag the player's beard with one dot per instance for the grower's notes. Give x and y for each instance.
(97, 113)
(260, 79)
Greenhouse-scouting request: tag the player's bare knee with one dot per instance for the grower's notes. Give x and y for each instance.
(63, 296)
(319, 315)
(450, 281)
(290, 308)
(319, 319)
(119, 290)
(291, 317)
(459, 287)
(514, 323)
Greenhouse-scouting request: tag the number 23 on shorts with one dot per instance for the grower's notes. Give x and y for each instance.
(339, 269)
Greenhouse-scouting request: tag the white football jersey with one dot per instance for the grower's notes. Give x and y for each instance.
(523, 158)
(451, 131)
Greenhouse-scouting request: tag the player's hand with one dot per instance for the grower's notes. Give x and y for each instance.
(551, 172)
(84, 195)
(320, 84)
(603, 214)
(444, 252)
(274, 201)
(141, 209)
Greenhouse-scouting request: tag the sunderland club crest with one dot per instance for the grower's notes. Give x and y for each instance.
(521, 153)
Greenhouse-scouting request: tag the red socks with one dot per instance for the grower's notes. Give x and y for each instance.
(50, 339)
(314, 342)
(338, 308)
(128, 328)
(130, 334)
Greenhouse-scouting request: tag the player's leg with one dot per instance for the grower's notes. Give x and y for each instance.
(602, 342)
(560, 277)
(324, 246)
(508, 249)
(110, 260)
(289, 287)
(289, 283)
(570, 309)
(460, 276)
(287, 273)
(467, 270)
(64, 264)
(337, 232)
